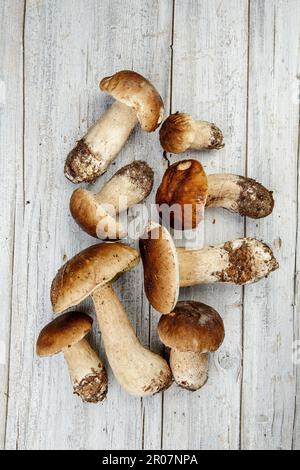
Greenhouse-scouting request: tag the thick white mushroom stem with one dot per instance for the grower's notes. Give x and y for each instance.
(206, 136)
(239, 194)
(88, 374)
(241, 261)
(101, 144)
(189, 369)
(140, 371)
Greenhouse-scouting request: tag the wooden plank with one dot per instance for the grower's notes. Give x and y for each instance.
(11, 142)
(70, 45)
(269, 374)
(210, 82)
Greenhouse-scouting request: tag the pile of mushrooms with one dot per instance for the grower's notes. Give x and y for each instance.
(190, 330)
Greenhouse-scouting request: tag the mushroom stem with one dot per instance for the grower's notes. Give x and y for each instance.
(189, 369)
(206, 136)
(239, 194)
(101, 144)
(241, 261)
(87, 373)
(140, 371)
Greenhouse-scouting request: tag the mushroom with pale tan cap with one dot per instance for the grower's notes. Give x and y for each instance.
(192, 331)
(91, 272)
(186, 188)
(180, 132)
(166, 268)
(136, 100)
(66, 334)
(97, 213)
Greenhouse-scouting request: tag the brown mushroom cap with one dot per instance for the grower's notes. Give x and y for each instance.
(138, 93)
(64, 331)
(184, 184)
(89, 269)
(177, 133)
(192, 326)
(161, 269)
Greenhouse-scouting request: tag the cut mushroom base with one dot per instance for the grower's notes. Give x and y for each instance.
(239, 194)
(137, 100)
(138, 370)
(181, 132)
(97, 213)
(241, 261)
(191, 330)
(66, 334)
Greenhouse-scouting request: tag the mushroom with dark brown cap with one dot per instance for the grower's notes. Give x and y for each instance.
(180, 132)
(66, 334)
(192, 331)
(91, 272)
(97, 213)
(181, 196)
(185, 186)
(136, 100)
(166, 268)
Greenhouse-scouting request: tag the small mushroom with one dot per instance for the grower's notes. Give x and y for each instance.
(185, 190)
(66, 334)
(166, 268)
(181, 197)
(241, 261)
(192, 331)
(96, 213)
(136, 100)
(239, 194)
(91, 272)
(180, 132)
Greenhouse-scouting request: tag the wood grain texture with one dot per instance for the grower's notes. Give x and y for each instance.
(209, 82)
(234, 62)
(269, 378)
(11, 154)
(70, 45)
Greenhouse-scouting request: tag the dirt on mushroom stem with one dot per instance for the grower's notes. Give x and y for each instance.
(91, 389)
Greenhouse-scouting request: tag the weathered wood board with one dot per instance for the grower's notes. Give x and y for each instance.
(234, 62)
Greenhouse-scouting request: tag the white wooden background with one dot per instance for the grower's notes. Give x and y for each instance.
(235, 62)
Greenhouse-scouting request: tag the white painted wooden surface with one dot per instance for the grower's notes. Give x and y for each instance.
(235, 62)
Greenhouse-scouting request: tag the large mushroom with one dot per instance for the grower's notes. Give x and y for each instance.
(191, 330)
(166, 268)
(242, 261)
(91, 273)
(66, 334)
(136, 100)
(185, 185)
(180, 132)
(97, 213)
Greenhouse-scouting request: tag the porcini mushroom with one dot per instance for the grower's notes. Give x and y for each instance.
(239, 194)
(192, 331)
(179, 132)
(161, 269)
(91, 272)
(181, 196)
(241, 261)
(96, 213)
(186, 189)
(136, 100)
(166, 268)
(66, 334)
